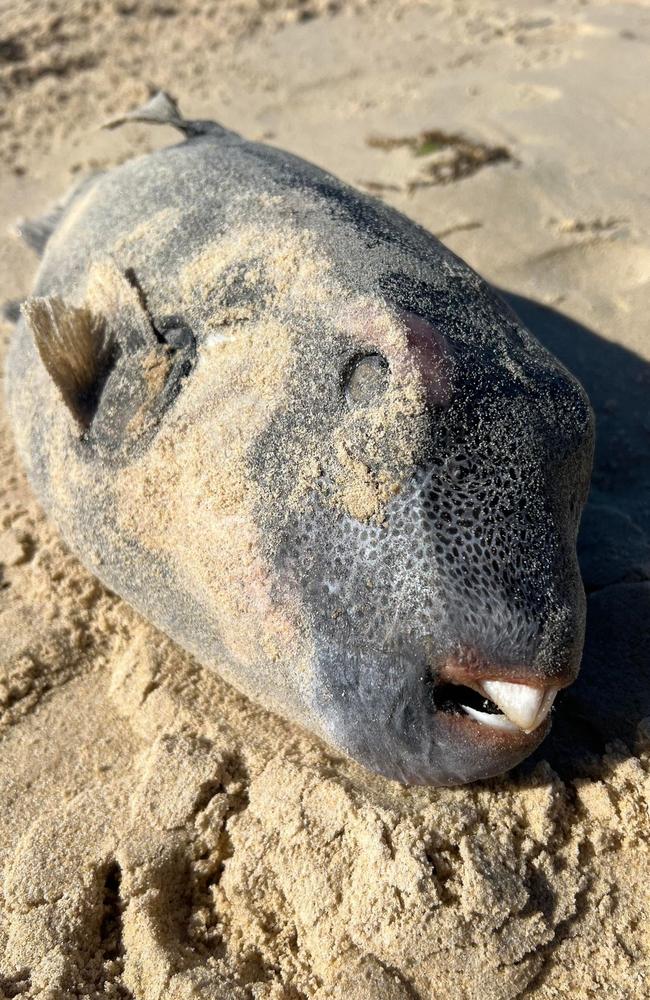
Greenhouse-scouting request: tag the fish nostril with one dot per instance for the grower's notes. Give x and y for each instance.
(365, 379)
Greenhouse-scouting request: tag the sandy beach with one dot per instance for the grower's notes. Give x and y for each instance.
(163, 838)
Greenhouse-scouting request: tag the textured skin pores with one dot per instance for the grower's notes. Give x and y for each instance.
(329, 552)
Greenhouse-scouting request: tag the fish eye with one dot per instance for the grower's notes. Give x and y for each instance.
(366, 379)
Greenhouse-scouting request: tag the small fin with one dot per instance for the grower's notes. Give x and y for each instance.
(10, 310)
(74, 350)
(162, 109)
(36, 232)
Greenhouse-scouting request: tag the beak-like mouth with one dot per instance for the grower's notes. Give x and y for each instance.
(502, 705)
(510, 705)
(521, 705)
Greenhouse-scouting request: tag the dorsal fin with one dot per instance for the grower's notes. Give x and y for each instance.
(74, 349)
(162, 109)
(36, 232)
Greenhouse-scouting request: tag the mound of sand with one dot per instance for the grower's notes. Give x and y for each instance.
(161, 837)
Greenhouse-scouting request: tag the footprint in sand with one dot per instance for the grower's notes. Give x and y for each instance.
(108, 897)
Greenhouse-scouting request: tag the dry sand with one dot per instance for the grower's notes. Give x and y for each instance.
(160, 837)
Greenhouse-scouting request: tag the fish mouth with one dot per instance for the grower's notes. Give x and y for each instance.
(513, 705)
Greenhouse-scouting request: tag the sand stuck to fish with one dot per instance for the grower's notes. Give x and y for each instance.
(162, 838)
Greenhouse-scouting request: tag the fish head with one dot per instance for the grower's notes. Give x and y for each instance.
(434, 551)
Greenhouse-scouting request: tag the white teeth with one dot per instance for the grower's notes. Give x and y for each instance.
(496, 721)
(524, 705)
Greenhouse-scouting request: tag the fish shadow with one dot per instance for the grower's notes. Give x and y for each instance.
(611, 697)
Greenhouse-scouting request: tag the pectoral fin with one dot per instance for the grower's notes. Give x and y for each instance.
(75, 350)
(115, 370)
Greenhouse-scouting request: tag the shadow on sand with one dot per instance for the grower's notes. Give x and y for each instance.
(612, 695)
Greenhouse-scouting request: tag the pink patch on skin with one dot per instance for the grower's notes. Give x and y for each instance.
(427, 347)
(433, 356)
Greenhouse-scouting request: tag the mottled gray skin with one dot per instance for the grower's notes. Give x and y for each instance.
(474, 562)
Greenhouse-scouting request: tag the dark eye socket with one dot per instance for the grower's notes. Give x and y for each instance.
(366, 379)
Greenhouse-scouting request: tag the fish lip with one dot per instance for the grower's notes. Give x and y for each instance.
(497, 751)
(491, 738)
(474, 672)
(485, 752)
